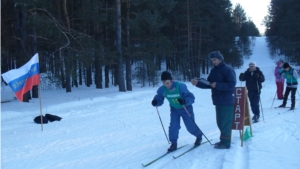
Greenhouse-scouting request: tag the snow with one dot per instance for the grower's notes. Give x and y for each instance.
(121, 130)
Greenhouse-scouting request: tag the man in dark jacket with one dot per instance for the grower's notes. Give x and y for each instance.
(253, 77)
(221, 81)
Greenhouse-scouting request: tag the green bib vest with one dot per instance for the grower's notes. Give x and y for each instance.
(172, 97)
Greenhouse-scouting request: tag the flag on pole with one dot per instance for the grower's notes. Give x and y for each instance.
(22, 80)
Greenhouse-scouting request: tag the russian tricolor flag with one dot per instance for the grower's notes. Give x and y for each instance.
(22, 80)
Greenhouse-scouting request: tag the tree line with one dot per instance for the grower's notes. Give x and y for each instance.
(283, 29)
(85, 42)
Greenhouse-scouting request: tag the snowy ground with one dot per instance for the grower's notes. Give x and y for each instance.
(108, 129)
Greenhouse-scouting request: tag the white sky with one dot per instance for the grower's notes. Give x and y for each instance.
(108, 129)
(255, 9)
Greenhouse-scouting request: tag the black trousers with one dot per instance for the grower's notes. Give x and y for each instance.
(293, 95)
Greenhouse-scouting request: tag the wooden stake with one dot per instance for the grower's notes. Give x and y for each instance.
(40, 96)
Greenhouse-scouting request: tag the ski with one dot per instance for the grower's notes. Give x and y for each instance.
(158, 158)
(286, 111)
(6, 101)
(281, 107)
(175, 157)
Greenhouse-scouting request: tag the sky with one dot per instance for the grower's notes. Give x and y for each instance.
(256, 10)
(105, 128)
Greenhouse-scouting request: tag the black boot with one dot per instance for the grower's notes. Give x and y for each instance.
(292, 108)
(283, 105)
(198, 142)
(221, 146)
(173, 147)
(256, 118)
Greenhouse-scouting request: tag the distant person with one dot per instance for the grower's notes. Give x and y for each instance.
(279, 80)
(221, 81)
(253, 77)
(181, 100)
(291, 84)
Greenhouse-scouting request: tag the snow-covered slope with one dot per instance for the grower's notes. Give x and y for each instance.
(109, 129)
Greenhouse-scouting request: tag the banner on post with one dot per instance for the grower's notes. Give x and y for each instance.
(241, 111)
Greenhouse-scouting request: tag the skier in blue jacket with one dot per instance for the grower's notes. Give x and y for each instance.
(180, 100)
(222, 81)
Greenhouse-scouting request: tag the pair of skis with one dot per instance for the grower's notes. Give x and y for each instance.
(175, 157)
(284, 108)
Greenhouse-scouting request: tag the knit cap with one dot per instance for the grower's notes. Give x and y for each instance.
(216, 54)
(166, 76)
(252, 63)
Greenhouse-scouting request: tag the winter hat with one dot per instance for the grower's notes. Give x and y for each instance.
(286, 65)
(166, 76)
(279, 63)
(216, 54)
(252, 63)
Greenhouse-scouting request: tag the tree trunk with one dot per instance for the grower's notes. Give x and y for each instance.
(20, 34)
(119, 47)
(115, 75)
(35, 90)
(80, 73)
(106, 75)
(74, 73)
(68, 61)
(98, 73)
(88, 76)
(128, 53)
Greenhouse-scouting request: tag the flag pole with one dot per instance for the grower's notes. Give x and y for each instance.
(40, 96)
(41, 107)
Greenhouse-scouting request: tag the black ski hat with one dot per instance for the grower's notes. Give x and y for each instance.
(166, 76)
(286, 65)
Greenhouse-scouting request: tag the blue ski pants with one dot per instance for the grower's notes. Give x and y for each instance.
(188, 121)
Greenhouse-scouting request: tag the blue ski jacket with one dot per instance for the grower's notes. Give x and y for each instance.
(225, 78)
(184, 93)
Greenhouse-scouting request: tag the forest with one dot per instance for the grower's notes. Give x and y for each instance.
(102, 42)
(283, 29)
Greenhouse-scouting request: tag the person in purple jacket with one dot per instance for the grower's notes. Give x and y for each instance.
(180, 100)
(279, 80)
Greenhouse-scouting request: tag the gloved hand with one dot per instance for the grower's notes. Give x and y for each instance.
(181, 101)
(242, 76)
(292, 73)
(256, 75)
(154, 102)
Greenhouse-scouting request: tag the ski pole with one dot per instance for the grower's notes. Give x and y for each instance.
(262, 112)
(195, 123)
(162, 126)
(273, 99)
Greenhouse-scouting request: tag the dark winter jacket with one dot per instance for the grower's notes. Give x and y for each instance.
(225, 78)
(251, 80)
